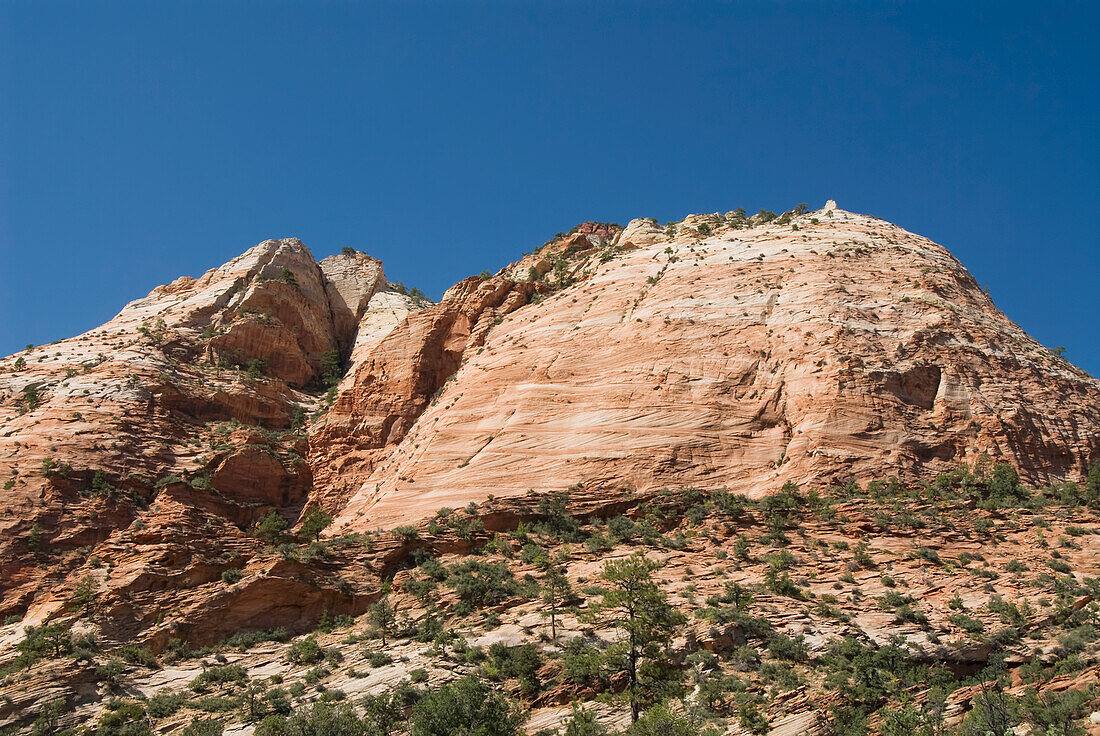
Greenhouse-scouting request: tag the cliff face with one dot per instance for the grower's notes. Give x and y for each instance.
(713, 355)
(392, 383)
(718, 352)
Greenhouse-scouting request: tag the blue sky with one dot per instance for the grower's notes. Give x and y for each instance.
(142, 141)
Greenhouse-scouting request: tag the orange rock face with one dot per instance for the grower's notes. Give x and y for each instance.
(718, 352)
(844, 349)
(391, 385)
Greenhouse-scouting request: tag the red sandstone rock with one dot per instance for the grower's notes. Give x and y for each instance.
(746, 358)
(846, 349)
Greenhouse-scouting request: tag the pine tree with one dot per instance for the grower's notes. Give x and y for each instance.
(556, 591)
(635, 605)
(314, 522)
(271, 528)
(382, 615)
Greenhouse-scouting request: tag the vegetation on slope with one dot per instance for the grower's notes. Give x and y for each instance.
(964, 605)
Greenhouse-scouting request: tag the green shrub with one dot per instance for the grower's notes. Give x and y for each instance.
(784, 647)
(966, 623)
(244, 640)
(100, 485)
(582, 722)
(319, 719)
(583, 665)
(661, 720)
(137, 654)
(407, 531)
(556, 521)
(85, 594)
(330, 368)
(779, 582)
(272, 528)
(313, 521)
(480, 583)
(467, 706)
(861, 555)
(929, 555)
(32, 398)
(751, 719)
(622, 528)
(219, 675)
(520, 662)
(257, 368)
(1078, 639)
(379, 659)
(203, 727)
(1060, 566)
(165, 703)
(329, 623)
(287, 277)
(315, 675)
(305, 651)
(1010, 613)
(123, 719)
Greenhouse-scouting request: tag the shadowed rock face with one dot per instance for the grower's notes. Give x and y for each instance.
(712, 355)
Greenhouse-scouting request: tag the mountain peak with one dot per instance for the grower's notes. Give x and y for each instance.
(724, 351)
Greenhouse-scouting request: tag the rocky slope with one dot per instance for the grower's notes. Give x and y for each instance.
(806, 615)
(146, 446)
(149, 463)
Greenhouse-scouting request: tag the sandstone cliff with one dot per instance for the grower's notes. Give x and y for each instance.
(149, 465)
(718, 352)
(721, 351)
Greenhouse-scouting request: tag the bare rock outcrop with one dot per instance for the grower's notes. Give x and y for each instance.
(831, 347)
(394, 381)
(152, 418)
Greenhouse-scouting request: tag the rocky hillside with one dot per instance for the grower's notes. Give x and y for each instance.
(170, 477)
(178, 424)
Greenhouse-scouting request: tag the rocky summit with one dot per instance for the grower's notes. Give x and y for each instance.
(733, 474)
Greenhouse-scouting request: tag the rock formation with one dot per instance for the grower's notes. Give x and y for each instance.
(150, 429)
(829, 348)
(147, 464)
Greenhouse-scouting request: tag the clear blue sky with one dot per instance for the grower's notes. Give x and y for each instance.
(140, 141)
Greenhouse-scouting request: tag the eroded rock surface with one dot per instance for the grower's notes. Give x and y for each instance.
(722, 351)
(137, 454)
(713, 355)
